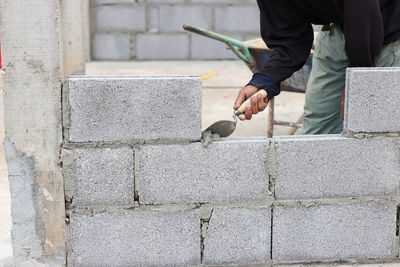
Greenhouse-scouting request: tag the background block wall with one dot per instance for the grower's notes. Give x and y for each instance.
(152, 29)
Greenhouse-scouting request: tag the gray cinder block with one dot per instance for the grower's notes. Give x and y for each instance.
(226, 171)
(111, 46)
(243, 18)
(364, 230)
(99, 176)
(238, 236)
(135, 238)
(334, 166)
(120, 109)
(372, 100)
(120, 18)
(173, 17)
(162, 46)
(215, 50)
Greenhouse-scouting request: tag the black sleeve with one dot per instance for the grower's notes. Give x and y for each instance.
(364, 31)
(285, 30)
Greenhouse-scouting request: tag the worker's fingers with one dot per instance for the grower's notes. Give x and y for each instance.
(248, 113)
(254, 104)
(240, 99)
(262, 103)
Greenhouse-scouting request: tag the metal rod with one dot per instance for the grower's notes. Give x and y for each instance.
(294, 130)
(237, 47)
(289, 124)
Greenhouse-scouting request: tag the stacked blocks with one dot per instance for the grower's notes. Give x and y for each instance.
(136, 29)
(142, 190)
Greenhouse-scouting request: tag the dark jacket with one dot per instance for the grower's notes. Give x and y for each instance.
(286, 27)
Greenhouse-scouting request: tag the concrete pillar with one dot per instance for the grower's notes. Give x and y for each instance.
(31, 32)
(76, 35)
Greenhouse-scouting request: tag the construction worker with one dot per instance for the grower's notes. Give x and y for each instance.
(357, 33)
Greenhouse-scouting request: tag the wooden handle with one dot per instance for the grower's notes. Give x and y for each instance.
(247, 103)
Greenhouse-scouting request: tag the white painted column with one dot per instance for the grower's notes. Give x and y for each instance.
(76, 35)
(31, 40)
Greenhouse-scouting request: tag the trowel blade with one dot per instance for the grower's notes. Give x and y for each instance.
(222, 128)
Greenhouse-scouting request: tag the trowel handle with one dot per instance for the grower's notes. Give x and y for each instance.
(247, 103)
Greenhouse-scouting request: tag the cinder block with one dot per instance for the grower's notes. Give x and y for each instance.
(372, 100)
(244, 19)
(226, 171)
(162, 46)
(238, 236)
(135, 238)
(99, 176)
(152, 18)
(135, 109)
(365, 230)
(120, 18)
(334, 166)
(111, 46)
(173, 17)
(205, 48)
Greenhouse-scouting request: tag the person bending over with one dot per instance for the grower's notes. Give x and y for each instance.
(356, 33)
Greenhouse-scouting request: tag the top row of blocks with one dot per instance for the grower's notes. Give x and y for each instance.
(168, 109)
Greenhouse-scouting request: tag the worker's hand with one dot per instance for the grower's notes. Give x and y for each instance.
(258, 104)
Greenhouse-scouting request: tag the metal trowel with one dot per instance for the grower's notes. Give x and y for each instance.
(226, 128)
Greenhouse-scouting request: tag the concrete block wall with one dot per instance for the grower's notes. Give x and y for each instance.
(138, 193)
(152, 29)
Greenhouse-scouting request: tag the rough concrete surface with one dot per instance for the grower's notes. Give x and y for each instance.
(334, 166)
(5, 198)
(226, 171)
(32, 60)
(135, 238)
(238, 236)
(99, 176)
(334, 232)
(27, 219)
(372, 100)
(132, 109)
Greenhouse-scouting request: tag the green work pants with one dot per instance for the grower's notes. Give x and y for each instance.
(322, 110)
